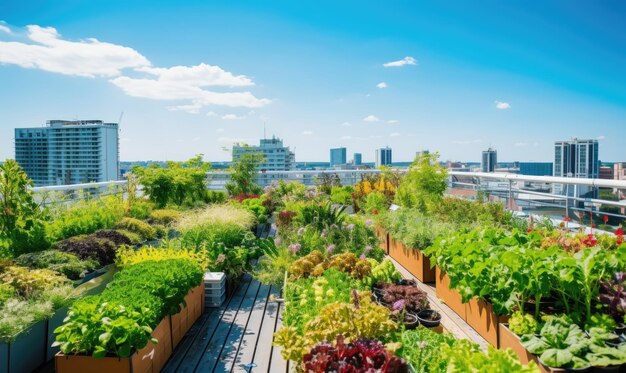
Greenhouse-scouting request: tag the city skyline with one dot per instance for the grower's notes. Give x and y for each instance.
(453, 79)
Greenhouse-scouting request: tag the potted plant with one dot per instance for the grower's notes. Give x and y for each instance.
(429, 318)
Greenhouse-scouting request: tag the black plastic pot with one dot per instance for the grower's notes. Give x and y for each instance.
(621, 329)
(429, 318)
(610, 368)
(406, 282)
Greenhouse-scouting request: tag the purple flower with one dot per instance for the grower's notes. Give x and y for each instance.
(277, 241)
(323, 233)
(350, 227)
(368, 248)
(369, 222)
(295, 247)
(398, 305)
(363, 256)
(300, 231)
(330, 249)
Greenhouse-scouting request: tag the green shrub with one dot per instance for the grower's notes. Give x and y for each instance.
(68, 264)
(120, 320)
(6, 292)
(89, 247)
(27, 282)
(164, 216)
(22, 227)
(143, 229)
(86, 216)
(216, 196)
(342, 195)
(118, 238)
(140, 209)
(133, 237)
(375, 201)
(256, 206)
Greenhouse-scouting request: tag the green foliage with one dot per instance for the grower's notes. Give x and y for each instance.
(66, 263)
(216, 196)
(17, 315)
(120, 320)
(424, 183)
(273, 264)
(326, 182)
(423, 349)
(143, 229)
(414, 228)
(22, 227)
(243, 175)
(89, 247)
(322, 216)
(384, 271)
(521, 323)
(85, 216)
(164, 216)
(256, 206)
(178, 182)
(140, 209)
(342, 195)
(27, 282)
(467, 359)
(375, 201)
(6, 292)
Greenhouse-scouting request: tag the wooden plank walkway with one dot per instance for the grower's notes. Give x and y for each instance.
(236, 337)
(452, 322)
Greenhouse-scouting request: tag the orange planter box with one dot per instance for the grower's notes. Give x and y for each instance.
(480, 316)
(150, 359)
(508, 339)
(384, 239)
(450, 297)
(413, 260)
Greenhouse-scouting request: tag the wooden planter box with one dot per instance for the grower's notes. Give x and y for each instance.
(150, 359)
(413, 260)
(27, 352)
(450, 297)
(508, 339)
(480, 316)
(384, 239)
(182, 321)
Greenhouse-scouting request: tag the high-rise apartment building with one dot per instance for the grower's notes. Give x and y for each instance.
(69, 152)
(383, 157)
(337, 157)
(536, 168)
(357, 160)
(579, 159)
(489, 161)
(276, 157)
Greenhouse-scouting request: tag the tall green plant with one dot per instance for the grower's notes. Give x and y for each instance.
(177, 182)
(424, 183)
(243, 174)
(22, 220)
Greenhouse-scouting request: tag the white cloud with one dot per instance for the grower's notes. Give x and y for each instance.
(475, 141)
(4, 28)
(201, 75)
(381, 85)
(371, 118)
(346, 137)
(601, 137)
(346, 124)
(46, 50)
(502, 105)
(211, 114)
(232, 117)
(219, 130)
(395, 134)
(191, 108)
(392, 121)
(408, 60)
(307, 133)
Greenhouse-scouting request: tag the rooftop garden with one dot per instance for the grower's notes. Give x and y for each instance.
(347, 308)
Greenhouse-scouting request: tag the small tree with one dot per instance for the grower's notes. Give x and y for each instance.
(424, 183)
(22, 220)
(243, 175)
(177, 182)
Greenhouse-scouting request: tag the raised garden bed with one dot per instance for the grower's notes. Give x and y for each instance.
(383, 236)
(449, 296)
(27, 352)
(508, 339)
(413, 260)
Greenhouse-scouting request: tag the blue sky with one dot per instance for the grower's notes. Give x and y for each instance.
(195, 76)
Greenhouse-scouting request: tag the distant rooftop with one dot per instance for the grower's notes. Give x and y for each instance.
(89, 122)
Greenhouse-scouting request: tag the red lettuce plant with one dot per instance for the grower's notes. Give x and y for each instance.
(613, 294)
(362, 355)
(414, 299)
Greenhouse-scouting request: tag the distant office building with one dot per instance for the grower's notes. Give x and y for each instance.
(357, 160)
(490, 160)
(579, 159)
(276, 157)
(421, 153)
(536, 168)
(69, 152)
(606, 172)
(383, 157)
(337, 157)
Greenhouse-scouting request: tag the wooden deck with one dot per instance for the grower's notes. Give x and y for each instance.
(451, 322)
(236, 337)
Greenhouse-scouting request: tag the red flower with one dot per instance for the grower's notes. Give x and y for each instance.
(580, 215)
(375, 211)
(529, 230)
(605, 218)
(593, 225)
(590, 241)
(619, 232)
(567, 218)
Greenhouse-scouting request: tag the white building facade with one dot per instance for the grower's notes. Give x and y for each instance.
(69, 152)
(276, 157)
